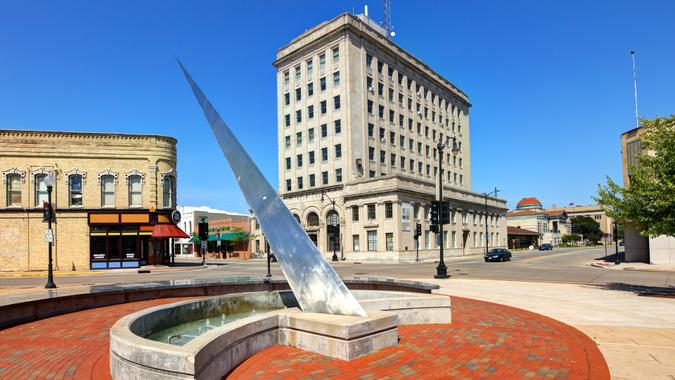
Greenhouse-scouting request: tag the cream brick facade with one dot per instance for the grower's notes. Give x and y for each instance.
(90, 155)
(359, 120)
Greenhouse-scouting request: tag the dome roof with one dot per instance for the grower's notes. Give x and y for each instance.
(526, 203)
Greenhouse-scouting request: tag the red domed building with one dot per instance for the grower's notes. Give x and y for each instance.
(530, 215)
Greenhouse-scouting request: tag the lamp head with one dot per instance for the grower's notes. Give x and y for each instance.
(49, 179)
(455, 146)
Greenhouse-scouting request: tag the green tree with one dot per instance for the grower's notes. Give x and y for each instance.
(649, 200)
(586, 227)
(570, 238)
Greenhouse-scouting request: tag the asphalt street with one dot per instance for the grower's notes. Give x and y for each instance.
(559, 266)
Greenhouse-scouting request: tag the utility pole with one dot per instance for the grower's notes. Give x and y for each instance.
(637, 117)
(495, 192)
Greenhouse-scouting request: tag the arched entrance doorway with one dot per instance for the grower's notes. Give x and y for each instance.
(313, 225)
(333, 231)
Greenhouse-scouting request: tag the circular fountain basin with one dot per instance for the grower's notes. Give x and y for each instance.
(206, 338)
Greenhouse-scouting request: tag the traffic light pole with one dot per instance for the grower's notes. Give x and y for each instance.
(441, 269)
(50, 270)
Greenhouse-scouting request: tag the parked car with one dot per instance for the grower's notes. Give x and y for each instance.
(498, 254)
(546, 247)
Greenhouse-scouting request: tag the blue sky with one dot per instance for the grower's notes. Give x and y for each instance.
(550, 82)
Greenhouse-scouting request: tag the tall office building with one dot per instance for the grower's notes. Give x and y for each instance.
(359, 120)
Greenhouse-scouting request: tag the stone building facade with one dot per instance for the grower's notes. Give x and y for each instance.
(358, 124)
(113, 195)
(551, 224)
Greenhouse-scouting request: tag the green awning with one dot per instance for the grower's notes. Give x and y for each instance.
(222, 237)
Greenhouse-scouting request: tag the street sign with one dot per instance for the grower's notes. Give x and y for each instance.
(203, 244)
(49, 236)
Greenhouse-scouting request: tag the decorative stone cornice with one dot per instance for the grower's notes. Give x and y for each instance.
(39, 171)
(83, 135)
(107, 171)
(75, 171)
(13, 170)
(133, 173)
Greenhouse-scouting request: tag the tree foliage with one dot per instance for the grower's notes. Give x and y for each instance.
(570, 238)
(649, 200)
(586, 227)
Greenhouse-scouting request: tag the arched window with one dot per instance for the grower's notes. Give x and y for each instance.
(333, 231)
(40, 189)
(75, 190)
(13, 190)
(107, 191)
(312, 219)
(168, 188)
(135, 195)
(297, 218)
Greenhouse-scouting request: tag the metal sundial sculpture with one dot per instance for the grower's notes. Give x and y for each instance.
(313, 281)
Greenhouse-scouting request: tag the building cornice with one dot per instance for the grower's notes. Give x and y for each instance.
(96, 136)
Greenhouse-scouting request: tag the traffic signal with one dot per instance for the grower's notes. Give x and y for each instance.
(444, 213)
(434, 228)
(435, 205)
(203, 231)
(418, 231)
(47, 212)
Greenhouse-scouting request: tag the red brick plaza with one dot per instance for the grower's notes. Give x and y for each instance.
(485, 340)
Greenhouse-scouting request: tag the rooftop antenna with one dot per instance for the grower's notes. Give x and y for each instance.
(387, 19)
(637, 118)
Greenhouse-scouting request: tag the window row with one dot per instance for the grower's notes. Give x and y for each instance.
(371, 211)
(309, 89)
(323, 128)
(309, 66)
(391, 116)
(300, 183)
(311, 157)
(371, 241)
(75, 187)
(409, 84)
(323, 109)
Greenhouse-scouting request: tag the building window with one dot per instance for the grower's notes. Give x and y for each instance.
(299, 160)
(324, 178)
(298, 94)
(371, 153)
(372, 240)
(311, 157)
(310, 135)
(288, 185)
(298, 138)
(371, 212)
(298, 116)
(135, 184)
(356, 244)
(389, 239)
(338, 175)
(297, 73)
(371, 129)
(288, 163)
(310, 67)
(75, 190)
(287, 142)
(310, 112)
(369, 60)
(324, 154)
(355, 213)
(310, 89)
(322, 84)
(454, 239)
(299, 183)
(322, 106)
(322, 61)
(336, 79)
(427, 239)
(40, 190)
(370, 107)
(338, 126)
(338, 151)
(336, 55)
(312, 180)
(388, 210)
(287, 98)
(336, 102)
(168, 188)
(324, 130)
(13, 190)
(383, 156)
(287, 120)
(371, 174)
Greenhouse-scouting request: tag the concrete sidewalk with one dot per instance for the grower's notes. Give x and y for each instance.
(635, 334)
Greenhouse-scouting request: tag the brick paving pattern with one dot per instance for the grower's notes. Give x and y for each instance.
(485, 340)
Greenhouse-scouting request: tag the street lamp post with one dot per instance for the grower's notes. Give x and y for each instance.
(616, 243)
(487, 241)
(441, 269)
(333, 224)
(49, 181)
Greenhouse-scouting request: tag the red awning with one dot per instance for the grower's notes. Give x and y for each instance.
(168, 231)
